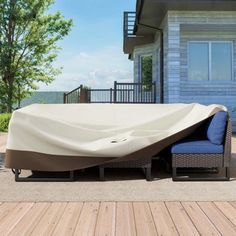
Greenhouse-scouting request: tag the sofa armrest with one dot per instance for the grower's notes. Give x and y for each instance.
(227, 144)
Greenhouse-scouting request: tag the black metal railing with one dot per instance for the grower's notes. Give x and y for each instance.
(73, 96)
(134, 92)
(121, 93)
(101, 95)
(129, 24)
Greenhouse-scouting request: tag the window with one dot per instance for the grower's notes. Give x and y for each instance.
(221, 61)
(210, 60)
(198, 61)
(146, 71)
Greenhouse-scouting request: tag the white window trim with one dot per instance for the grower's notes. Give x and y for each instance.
(210, 42)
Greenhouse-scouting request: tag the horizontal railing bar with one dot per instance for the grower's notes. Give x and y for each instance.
(94, 90)
(73, 90)
(130, 83)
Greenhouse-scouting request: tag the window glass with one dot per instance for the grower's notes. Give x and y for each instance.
(146, 71)
(221, 61)
(198, 61)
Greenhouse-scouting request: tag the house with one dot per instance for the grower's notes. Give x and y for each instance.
(192, 48)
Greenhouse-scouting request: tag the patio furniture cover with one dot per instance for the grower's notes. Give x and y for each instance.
(66, 137)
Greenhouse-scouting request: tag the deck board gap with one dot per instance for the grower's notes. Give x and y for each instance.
(218, 219)
(152, 217)
(227, 212)
(172, 219)
(190, 219)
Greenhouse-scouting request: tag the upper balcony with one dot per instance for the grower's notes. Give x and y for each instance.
(129, 24)
(152, 13)
(131, 38)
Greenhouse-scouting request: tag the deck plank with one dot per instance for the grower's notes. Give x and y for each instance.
(68, 221)
(120, 219)
(106, 219)
(50, 219)
(218, 218)
(233, 204)
(14, 216)
(143, 218)
(199, 219)
(6, 208)
(228, 210)
(125, 224)
(162, 219)
(87, 220)
(182, 221)
(30, 220)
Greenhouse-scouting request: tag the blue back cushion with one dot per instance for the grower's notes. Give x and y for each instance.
(216, 128)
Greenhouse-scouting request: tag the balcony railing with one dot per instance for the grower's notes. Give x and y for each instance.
(100, 95)
(121, 93)
(73, 96)
(129, 24)
(134, 93)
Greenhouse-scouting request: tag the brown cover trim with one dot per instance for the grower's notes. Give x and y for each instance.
(28, 160)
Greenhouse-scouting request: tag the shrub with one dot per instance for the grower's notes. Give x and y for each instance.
(4, 121)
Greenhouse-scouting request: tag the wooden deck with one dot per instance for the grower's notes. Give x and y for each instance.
(118, 218)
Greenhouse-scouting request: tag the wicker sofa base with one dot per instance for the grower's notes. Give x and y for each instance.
(198, 161)
(145, 164)
(18, 178)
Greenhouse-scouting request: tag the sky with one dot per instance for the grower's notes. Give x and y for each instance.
(92, 53)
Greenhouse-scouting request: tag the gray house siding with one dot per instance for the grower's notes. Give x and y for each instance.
(206, 92)
(204, 26)
(179, 28)
(172, 77)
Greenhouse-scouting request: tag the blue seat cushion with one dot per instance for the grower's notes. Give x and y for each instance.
(196, 146)
(216, 128)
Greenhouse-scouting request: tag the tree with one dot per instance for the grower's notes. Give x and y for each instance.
(28, 47)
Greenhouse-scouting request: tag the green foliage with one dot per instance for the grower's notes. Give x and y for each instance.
(147, 72)
(4, 121)
(28, 47)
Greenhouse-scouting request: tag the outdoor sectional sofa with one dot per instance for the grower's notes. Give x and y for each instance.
(69, 137)
(212, 150)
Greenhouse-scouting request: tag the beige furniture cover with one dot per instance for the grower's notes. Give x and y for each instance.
(74, 136)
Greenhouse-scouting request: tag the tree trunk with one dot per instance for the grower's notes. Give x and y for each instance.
(9, 97)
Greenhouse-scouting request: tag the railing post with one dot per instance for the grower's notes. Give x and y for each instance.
(80, 88)
(84, 95)
(88, 95)
(64, 98)
(124, 25)
(111, 91)
(141, 97)
(155, 92)
(115, 92)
